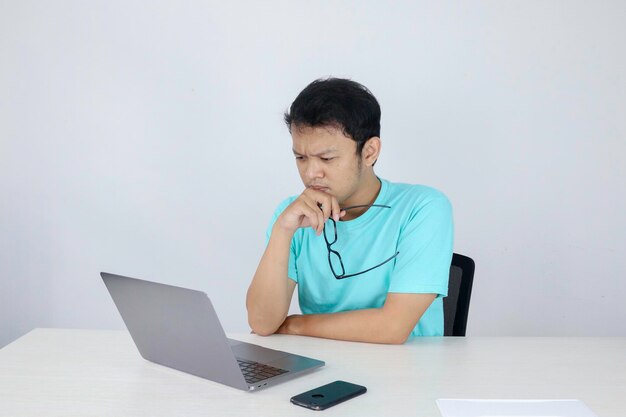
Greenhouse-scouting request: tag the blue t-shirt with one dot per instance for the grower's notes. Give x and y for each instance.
(418, 225)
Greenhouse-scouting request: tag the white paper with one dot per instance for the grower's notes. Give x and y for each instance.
(513, 408)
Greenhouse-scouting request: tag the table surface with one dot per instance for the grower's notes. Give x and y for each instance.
(60, 372)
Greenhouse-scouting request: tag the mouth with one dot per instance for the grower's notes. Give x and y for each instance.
(319, 188)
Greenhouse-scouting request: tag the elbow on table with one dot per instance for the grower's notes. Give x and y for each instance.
(397, 335)
(262, 327)
(261, 331)
(397, 339)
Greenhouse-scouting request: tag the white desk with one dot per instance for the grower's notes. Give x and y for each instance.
(54, 372)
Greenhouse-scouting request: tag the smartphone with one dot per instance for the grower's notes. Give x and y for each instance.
(328, 395)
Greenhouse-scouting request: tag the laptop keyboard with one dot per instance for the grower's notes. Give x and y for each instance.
(255, 372)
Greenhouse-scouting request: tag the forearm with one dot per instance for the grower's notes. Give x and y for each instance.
(368, 325)
(267, 300)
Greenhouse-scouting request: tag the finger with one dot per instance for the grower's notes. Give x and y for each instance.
(322, 221)
(322, 200)
(336, 210)
(305, 213)
(315, 216)
(317, 219)
(323, 203)
(326, 206)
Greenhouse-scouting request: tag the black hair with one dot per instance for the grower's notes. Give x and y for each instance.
(340, 103)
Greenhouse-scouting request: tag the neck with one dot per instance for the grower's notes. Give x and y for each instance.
(366, 195)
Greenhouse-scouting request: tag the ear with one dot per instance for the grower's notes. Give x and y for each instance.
(371, 150)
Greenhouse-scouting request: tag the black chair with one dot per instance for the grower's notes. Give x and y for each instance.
(456, 304)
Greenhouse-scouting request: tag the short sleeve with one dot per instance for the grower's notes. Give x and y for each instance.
(425, 245)
(292, 271)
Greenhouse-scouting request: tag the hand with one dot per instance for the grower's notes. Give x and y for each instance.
(312, 209)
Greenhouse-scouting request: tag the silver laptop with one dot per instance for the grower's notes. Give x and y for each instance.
(179, 328)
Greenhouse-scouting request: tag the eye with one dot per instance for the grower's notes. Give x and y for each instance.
(299, 158)
(327, 159)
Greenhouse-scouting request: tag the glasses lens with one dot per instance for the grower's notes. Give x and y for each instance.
(335, 263)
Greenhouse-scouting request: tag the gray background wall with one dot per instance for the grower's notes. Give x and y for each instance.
(145, 138)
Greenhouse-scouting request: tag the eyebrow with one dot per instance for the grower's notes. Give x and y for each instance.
(324, 152)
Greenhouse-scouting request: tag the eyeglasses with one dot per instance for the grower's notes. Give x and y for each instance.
(334, 256)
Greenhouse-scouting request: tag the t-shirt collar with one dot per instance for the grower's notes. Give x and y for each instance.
(372, 211)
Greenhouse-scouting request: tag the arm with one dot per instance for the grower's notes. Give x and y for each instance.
(391, 324)
(270, 291)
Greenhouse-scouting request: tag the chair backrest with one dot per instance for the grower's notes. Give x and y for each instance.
(456, 304)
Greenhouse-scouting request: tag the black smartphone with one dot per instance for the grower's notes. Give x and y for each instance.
(328, 395)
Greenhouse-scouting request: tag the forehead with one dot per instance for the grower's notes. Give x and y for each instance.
(307, 139)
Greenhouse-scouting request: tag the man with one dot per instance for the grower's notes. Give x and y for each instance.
(371, 258)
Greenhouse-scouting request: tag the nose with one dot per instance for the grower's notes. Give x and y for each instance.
(313, 169)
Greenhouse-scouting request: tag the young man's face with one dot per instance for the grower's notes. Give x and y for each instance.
(327, 160)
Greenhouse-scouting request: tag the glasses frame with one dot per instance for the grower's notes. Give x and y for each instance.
(331, 251)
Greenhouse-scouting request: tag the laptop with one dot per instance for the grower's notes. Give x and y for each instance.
(178, 328)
